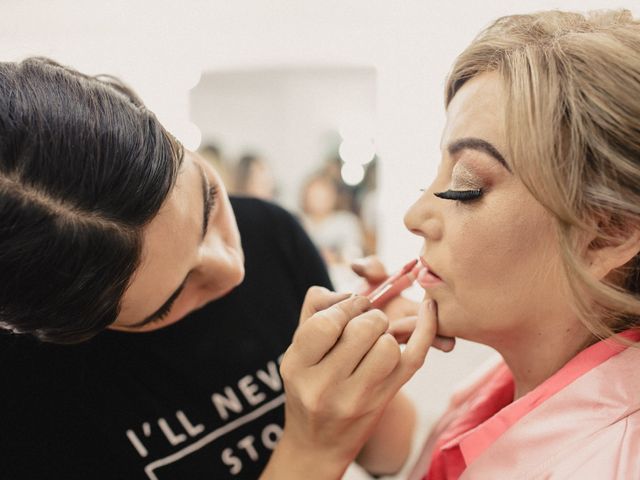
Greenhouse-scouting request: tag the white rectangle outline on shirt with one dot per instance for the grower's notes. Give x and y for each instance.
(210, 437)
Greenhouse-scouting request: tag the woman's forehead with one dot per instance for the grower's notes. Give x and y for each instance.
(477, 112)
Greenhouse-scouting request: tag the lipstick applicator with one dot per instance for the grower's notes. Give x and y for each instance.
(394, 285)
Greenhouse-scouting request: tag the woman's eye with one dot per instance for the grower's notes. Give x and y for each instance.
(461, 195)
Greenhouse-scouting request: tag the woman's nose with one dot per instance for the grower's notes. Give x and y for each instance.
(423, 218)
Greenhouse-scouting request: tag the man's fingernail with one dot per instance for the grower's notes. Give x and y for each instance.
(343, 295)
(430, 305)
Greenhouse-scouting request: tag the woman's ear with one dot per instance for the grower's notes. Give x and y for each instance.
(603, 257)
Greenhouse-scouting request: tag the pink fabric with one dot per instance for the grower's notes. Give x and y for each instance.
(481, 414)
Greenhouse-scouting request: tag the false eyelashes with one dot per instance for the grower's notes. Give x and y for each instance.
(461, 195)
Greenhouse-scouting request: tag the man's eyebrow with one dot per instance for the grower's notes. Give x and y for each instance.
(207, 204)
(207, 201)
(477, 144)
(166, 306)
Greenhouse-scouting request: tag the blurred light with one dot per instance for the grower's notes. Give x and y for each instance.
(191, 77)
(360, 151)
(352, 173)
(190, 136)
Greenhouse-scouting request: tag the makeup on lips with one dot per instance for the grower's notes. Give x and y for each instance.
(427, 278)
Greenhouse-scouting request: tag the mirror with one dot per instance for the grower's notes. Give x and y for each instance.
(302, 138)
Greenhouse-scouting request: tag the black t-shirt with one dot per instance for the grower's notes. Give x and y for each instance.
(199, 399)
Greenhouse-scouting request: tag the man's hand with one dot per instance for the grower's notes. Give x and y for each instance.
(340, 372)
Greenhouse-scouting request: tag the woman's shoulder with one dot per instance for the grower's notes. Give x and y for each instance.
(611, 452)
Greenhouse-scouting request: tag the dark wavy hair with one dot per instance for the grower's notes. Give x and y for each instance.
(84, 166)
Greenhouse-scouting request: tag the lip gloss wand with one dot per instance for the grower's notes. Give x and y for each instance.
(394, 285)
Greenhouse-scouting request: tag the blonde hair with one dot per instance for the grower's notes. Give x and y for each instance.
(573, 134)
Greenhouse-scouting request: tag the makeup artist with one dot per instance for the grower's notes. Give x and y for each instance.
(145, 313)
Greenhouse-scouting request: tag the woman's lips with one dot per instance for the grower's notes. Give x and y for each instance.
(426, 277)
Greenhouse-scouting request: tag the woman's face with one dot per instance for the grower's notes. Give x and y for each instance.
(261, 183)
(498, 273)
(321, 197)
(191, 253)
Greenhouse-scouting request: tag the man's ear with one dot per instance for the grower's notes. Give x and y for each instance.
(603, 257)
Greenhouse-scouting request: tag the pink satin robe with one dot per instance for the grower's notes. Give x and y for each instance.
(582, 423)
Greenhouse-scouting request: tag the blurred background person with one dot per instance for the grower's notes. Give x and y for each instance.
(345, 194)
(211, 153)
(359, 197)
(254, 178)
(367, 204)
(336, 232)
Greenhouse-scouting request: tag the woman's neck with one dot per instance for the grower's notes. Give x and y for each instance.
(533, 361)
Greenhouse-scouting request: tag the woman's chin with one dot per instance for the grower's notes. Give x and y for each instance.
(449, 326)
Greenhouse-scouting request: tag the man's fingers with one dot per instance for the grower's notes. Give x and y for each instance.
(360, 334)
(445, 344)
(379, 362)
(403, 328)
(413, 356)
(400, 307)
(370, 268)
(318, 299)
(320, 332)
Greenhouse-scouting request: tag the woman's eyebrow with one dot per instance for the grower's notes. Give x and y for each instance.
(471, 143)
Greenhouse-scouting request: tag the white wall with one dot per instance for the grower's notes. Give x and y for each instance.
(160, 46)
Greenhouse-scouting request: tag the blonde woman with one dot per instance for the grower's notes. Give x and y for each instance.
(531, 245)
(532, 231)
